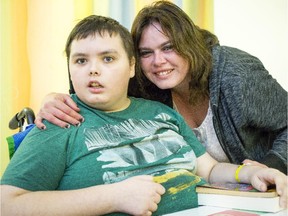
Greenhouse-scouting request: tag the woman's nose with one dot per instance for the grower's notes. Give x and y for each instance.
(159, 58)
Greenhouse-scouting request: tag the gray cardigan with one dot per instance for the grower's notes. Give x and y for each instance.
(249, 109)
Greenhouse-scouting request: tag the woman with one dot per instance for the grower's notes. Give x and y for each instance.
(236, 109)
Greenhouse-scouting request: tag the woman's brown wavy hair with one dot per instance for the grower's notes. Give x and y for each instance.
(189, 41)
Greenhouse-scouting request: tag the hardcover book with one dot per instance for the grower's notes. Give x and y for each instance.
(238, 196)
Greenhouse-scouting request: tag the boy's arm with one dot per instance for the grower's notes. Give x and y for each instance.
(258, 176)
(59, 109)
(136, 196)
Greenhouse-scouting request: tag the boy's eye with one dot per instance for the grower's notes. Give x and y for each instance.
(81, 61)
(108, 59)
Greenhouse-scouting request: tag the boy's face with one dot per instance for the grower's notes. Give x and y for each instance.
(100, 71)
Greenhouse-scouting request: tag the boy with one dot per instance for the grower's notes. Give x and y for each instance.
(106, 164)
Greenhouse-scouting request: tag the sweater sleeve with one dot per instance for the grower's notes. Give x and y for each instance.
(266, 109)
(258, 106)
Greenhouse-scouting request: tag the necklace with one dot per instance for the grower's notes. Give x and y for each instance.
(175, 106)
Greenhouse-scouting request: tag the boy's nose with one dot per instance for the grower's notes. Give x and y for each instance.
(93, 73)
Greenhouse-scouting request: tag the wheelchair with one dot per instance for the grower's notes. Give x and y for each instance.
(24, 120)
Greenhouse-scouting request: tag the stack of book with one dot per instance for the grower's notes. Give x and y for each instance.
(238, 196)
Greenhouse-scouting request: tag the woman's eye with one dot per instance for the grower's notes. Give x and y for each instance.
(144, 53)
(81, 61)
(108, 59)
(168, 47)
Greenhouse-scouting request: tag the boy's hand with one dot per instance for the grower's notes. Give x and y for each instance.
(138, 195)
(58, 109)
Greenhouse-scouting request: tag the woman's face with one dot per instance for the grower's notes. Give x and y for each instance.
(160, 63)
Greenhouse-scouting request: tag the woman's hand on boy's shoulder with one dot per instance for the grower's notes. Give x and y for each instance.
(59, 109)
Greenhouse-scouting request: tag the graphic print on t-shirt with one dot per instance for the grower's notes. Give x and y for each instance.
(127, 148)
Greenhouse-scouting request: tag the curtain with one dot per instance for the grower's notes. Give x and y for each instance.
(15, 76)
(33, 35)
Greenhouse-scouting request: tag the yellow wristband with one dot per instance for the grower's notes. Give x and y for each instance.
(237, 172)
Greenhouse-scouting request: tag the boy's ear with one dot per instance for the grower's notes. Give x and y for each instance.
(132, 67)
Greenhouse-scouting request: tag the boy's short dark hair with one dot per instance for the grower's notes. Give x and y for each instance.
(99, 24)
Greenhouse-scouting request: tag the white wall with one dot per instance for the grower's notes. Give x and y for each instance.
(259, 27)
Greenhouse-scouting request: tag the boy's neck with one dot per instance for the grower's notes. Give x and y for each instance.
(120, 106)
